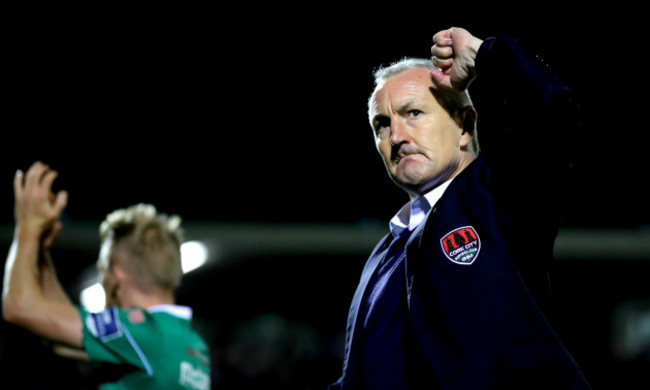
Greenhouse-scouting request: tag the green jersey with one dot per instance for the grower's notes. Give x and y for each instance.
(159, 343)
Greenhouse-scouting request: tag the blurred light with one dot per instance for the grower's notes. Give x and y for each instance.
(93, 298)
(193, 255)
(631, 331)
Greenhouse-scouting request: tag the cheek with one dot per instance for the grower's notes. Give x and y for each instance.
(108, 283)
(443, 141)
(382, 144)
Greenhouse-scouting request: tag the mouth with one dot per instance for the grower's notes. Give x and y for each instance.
(405, 152)
(406, 157)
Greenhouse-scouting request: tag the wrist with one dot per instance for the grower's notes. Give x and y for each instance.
(27, 233)
(474, 46)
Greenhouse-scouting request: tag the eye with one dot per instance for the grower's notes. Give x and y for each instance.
(380, 122)
(414, 113)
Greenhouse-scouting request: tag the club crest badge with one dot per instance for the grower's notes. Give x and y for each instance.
(461, 245)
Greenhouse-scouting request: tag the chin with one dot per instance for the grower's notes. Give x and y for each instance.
(412, 179)
(411, 187)
(416, 186)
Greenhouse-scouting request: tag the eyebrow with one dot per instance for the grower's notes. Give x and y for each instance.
(404, 107)
(407, 106)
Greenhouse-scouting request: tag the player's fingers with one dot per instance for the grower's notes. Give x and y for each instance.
(47, 179)
(52, 234)
(34, 174)
(442, 63)
(18, 183)
(442, 51)
(442, 38)
(61, 201)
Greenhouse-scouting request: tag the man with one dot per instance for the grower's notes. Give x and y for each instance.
(454, 296)
(141, 331)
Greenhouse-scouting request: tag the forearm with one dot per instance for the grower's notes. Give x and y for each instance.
(24, 301)
(37, 210)
(21, 285)
(50, 284)
(70, 353)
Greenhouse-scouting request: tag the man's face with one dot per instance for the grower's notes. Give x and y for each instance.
(416, 136)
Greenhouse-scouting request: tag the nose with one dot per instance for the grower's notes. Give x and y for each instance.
(398, 131)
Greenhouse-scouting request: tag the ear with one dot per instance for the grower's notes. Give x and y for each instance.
(467, 121)
(118, 272)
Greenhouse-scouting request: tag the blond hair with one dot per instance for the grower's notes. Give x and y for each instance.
(150, 242)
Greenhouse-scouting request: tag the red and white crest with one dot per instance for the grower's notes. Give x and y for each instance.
(461, 245)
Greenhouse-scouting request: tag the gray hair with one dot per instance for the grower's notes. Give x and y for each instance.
(453, 102)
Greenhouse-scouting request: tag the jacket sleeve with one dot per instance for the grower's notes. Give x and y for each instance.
(519, 99)
(527, 125)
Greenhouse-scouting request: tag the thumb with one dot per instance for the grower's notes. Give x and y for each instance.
(441, 79)
(61, 201)
(52, 234)
(438, 76)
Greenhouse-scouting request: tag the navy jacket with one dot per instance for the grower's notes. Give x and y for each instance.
(476, 274)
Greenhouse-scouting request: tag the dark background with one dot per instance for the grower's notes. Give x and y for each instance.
(260, 117)
(257, 115)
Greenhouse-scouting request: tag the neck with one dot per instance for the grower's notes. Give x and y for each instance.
(134, 297)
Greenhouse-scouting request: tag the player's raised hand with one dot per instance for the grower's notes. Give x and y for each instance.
(37, 208)
(453, 52)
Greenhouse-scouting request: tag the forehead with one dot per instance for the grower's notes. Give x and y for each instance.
(412, 84)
